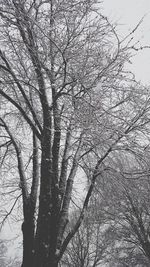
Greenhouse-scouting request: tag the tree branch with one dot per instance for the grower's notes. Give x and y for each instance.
(27, 119)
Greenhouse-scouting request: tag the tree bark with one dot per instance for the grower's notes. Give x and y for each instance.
(28, 230)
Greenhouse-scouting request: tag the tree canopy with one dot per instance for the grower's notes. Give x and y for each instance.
(69, 108)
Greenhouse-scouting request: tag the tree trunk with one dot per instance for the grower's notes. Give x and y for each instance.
(45, 207)
(28, 228)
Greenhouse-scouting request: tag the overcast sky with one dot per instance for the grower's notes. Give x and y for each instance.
(128, 13)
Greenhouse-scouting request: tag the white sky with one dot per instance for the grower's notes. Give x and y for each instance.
(128, 13)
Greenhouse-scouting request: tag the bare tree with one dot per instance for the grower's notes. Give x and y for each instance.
(5, 260)
(89, 245)
(3, 250)
(67, 102)
(124, 203)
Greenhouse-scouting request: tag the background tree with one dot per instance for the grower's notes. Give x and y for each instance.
(127, 208)
(3, 250)
(5, 260)
(119, 210)
(90, 244)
